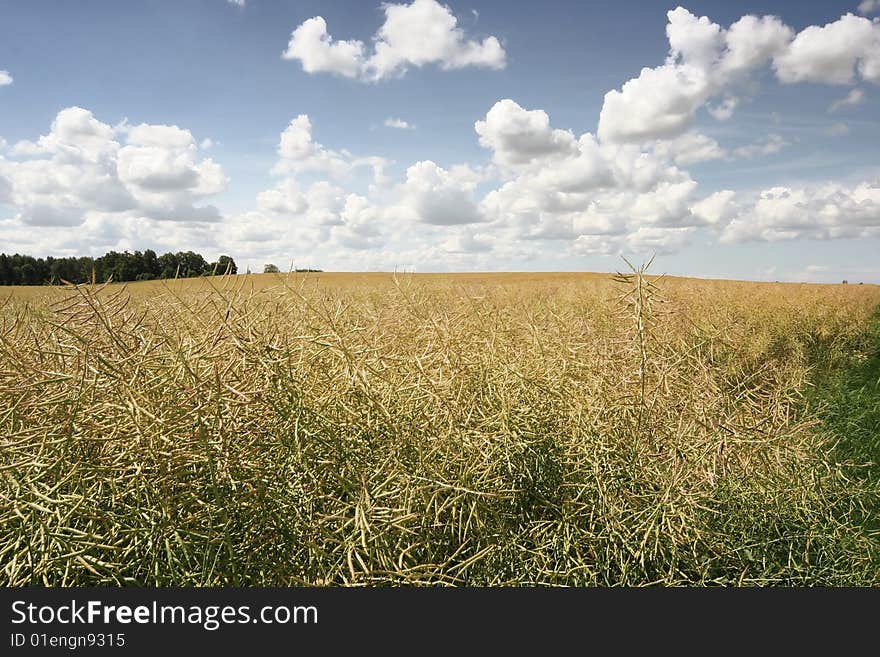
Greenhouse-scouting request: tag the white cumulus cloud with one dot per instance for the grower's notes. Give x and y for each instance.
(434, 195)
(690, 148)
(83, 167)
(717, 208)
(318, 52)
(751, 42)
(661, 102)
(284, 198)
(298, 152)
(412, 35)
(827, 211)
(832, 54)
(601, 198)
(706, 61)
(520, 137)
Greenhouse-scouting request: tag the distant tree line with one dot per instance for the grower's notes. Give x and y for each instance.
(269, 268)
(138, 266)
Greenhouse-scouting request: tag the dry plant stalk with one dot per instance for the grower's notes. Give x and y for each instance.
(497, 430)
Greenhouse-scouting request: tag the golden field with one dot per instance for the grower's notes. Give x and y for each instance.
(462, 429)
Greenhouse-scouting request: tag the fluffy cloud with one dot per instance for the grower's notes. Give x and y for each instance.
(284, 198)
(751, 42)
(77, 176)
(832, 53)
(666, 205)
(607, 197)
(298, 152)
(292, 218)
(420, 33)
(81, 168)
(602, 198)
(717, 208)
(319, 53)
(5, 78)
(706, 61)
(159, 165)
(690, 148)
(694, 41)
(825, 212)
(869, 6)
(703, 60)
(324, 203)
(426, 32)
(520, 137)
(360, 226)
(661, 102)
(433, 195)
(288, 222)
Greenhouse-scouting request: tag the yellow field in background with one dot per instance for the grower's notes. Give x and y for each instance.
(253, 283)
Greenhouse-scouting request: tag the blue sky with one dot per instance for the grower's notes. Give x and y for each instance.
(748, 149)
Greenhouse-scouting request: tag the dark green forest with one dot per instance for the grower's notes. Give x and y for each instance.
(19, 269)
